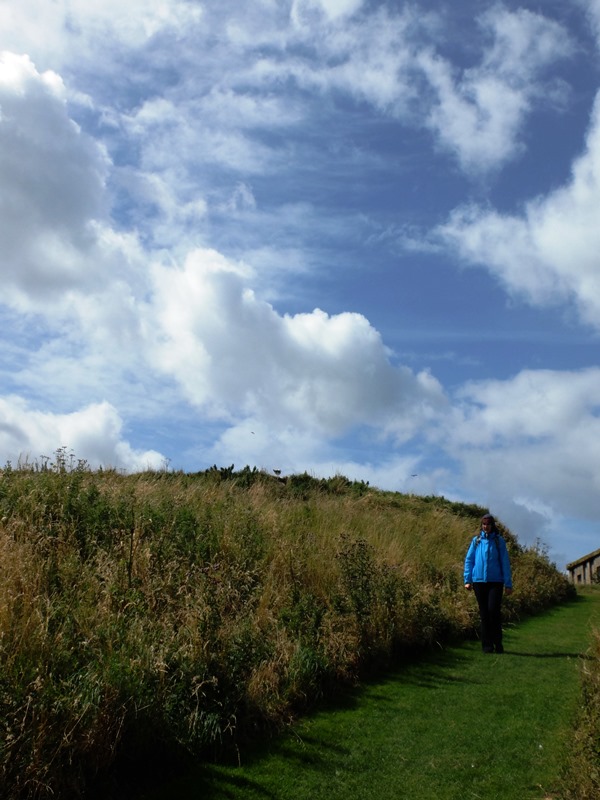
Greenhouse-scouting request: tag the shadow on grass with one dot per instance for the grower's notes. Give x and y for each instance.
(430, 670)
(216, 780)
(205, 782)
(581, 656)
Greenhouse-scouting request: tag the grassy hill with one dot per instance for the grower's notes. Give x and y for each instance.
(178, 613)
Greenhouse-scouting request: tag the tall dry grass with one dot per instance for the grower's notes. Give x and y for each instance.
(177, 614)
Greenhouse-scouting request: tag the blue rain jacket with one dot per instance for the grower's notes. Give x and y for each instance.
(487, 560)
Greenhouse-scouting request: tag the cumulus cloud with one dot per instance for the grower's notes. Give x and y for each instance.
(532, 438)
(51, 181)
(550, 254)
(94, 434)
(233, 354)
(57, 240)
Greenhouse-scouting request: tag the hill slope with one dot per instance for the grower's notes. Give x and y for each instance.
(179, 613)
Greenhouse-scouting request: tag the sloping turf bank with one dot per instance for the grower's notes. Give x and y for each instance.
(177, 614)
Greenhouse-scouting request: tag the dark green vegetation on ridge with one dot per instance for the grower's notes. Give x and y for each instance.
(153, 618)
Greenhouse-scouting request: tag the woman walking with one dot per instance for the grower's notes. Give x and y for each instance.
(488, 573)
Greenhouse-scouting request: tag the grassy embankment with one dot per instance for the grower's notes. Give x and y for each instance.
(177, 614)
(450, 725)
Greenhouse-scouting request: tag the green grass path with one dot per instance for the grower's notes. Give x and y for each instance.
(458, 724)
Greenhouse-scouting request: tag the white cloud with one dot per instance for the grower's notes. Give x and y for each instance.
(533, 405)
(176, 137)
(80, 30)
(93, 434)
(54, 227)
(534, 437)
(551, 253)
(333, 9)
(60, 257)
(51, 182)
(592, 9)
(370, 57)
(478, 120)
(479, 113)
(234, 355)
(159, 209)
(523, 43)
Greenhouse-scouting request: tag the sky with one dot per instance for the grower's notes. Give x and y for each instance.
(328, 236)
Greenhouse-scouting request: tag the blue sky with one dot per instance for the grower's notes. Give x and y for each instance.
(334, 236)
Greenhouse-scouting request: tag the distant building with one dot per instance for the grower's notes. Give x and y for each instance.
(586, 569)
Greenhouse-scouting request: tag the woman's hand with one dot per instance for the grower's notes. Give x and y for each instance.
(508, 590)
(468, 585)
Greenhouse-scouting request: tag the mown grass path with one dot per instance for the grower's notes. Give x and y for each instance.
(458, 724)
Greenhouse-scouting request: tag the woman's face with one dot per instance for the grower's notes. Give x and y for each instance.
(487, 524)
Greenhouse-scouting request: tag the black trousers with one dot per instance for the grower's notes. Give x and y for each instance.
(489, 600)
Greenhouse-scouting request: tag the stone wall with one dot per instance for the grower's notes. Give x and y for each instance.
(585, 570)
